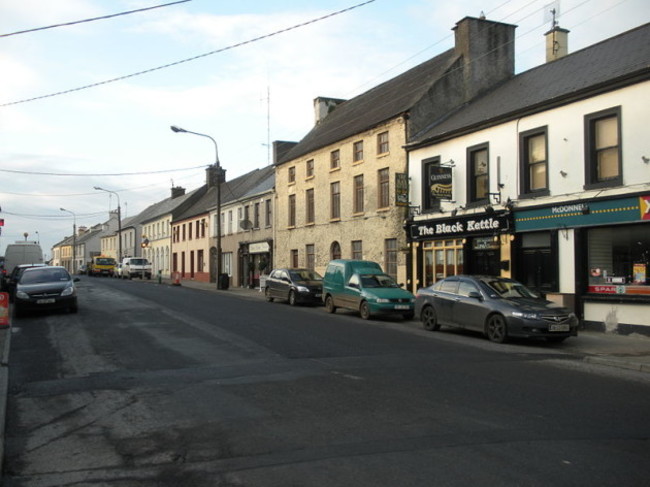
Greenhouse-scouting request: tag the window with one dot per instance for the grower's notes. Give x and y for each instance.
(382, 143)
(256, 216)
(430, 176)
(357, 250)
(247, 217)
(436, 266)
(309, 206)
(292, 210)
(309, 169)
(534, 161)
(390, 257)
(200, 261)
(478, 174)
(268, 213)
(335, 201)
(384, 188)
(203, 225)
(335, 251)
(358, 194)
(619, 260)
(184, 232)
(230, 221)
(292, 174)
(357, 151)
(603, 149)
(294, 258)
(310, 256)
(189, 230)
(335, 159)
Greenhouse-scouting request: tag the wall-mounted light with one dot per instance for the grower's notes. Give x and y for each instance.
(496, 197)
(645, 159)
(563, 174)
(454, 212)
(509, 204)
(489, 209)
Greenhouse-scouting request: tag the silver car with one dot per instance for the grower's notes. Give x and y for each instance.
(498, 307)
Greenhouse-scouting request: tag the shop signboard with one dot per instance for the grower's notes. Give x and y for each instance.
(401, 189)
(440, 182)
(465, 226)
(4, 309)
(584, 213)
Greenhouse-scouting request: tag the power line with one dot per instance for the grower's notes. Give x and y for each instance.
(194, 58)
(91, 20)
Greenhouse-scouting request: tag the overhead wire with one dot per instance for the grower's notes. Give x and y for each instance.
(187, 60)
(103, 17)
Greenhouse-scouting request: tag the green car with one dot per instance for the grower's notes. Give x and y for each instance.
(362, 286)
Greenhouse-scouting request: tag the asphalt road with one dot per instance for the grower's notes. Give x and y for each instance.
(153, 385)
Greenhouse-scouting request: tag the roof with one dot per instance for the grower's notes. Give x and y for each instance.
(602, 66)
(382, 103)
(251, 183)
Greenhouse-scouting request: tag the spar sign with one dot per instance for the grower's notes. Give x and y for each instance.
(4, 309)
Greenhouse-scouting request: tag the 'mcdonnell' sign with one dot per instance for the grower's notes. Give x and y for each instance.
(456, 227)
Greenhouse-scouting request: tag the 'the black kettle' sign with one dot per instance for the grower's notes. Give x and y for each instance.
(461, 226)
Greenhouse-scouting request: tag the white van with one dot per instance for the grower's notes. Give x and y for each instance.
(22, 253)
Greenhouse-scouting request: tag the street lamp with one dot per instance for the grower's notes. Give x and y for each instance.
(220, 176)
(74, 239)
(119, 222)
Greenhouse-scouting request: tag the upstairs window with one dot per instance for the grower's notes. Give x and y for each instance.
(310, 212)
(292, 174)
(358, 194)
(534, 162)
(478, 182)
(292, 210)
(335, 159)
(309, 168)
(382, 143)
(357, 151)
(335, 201)
(603, 166)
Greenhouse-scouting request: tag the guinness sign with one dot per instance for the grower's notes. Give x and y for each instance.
(440, 182)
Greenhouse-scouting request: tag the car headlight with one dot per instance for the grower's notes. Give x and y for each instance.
(22, 295)
(68, 291)
(527, 316)
(302, 289)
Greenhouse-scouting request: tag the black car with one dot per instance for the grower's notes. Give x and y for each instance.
(45, 288)
(295, 286)
(15, 276)
(496, 306)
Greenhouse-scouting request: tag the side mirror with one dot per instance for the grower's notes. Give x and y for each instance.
(354, 285)
(475, 295)
(76, 279)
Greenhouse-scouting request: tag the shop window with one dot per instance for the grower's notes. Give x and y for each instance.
(603, 167)
(442, 258)
(534, 162)
(478, 174)
(619, 260)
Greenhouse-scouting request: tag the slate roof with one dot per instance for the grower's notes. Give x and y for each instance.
(575, 76)
(249, 184)
(382, 103)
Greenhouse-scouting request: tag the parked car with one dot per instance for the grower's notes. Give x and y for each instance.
(296, 286)
(15, 276)
(117, 271)
(498, 307)
(362, 286)
(135, 267)
(45, 288)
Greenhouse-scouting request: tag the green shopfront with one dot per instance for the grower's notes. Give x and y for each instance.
(592, 255)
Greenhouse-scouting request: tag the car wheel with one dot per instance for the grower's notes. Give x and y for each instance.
(329, 305)
(364, 310)
(429, 319)
(408, 316)
(496, 329)
(292, 298)
(267, 294)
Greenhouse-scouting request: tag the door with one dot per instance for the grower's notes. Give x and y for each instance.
(468, 312)
(443, 301)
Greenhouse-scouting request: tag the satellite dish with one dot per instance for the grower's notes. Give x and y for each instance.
(246, 224)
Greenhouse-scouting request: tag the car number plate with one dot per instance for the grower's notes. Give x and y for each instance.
(401, 306)
(45, 301)
(318, 295)
(564, 327)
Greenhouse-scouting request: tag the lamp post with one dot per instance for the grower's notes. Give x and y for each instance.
(220, 177)
(74, 239)
(119, 222)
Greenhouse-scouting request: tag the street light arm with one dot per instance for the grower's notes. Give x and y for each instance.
(178, 130)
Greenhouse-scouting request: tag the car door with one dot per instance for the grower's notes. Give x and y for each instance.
(351, 298)
(443, 300)
(283, 285)
(468, 310)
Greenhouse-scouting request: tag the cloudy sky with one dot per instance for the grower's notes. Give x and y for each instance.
(55, 149)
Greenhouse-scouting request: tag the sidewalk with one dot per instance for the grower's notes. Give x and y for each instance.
(623, 351)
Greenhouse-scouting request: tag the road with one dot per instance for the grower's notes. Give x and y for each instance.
(153, 385)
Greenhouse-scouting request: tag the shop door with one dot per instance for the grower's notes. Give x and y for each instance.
(485, 262)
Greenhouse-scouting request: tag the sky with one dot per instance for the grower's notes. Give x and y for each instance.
(249, 81)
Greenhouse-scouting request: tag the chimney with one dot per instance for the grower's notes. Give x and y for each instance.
(557, 43)
(323, 107)
(280, 149)
(488, 52)
(177, 191)
(81, 230)
(213, 174)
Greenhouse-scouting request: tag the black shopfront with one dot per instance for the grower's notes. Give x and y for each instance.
(471, 244)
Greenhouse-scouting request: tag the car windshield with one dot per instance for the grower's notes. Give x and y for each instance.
(44, 275)
(106, 261)
(305, 275)
(377, 280)
(510, 289)
(138, 262)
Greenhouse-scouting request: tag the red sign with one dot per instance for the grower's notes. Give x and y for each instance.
(644, 204)
(2, 222)
(4, 309)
